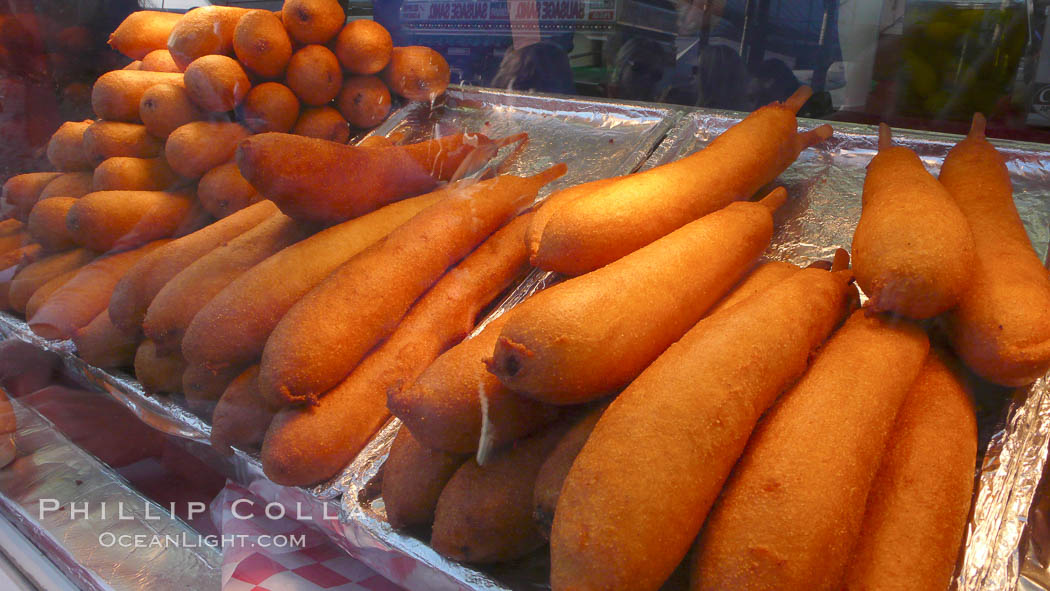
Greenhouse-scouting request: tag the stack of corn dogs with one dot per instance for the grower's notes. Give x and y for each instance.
(677, 406)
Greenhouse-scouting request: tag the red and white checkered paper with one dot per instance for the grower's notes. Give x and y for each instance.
(318, 566)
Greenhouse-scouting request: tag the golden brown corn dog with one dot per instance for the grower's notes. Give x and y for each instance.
(241, 416)
(107, 220)
(135, 292)
(164, 108)
(15, 240)
(123, 173)
(270, 106)
(556, 467)
(232, 328)
(34, 275)
(216, 83)
(175, 305)
(591, 335)
(363, 47)
(65, 149)
(312, 21)
(159, 60)
(142, 32)
(20, 257)
(261, 43)
(102, 345)
(324, 182)
(913, 251)
(443, 406)
(323, 123)
(199, 146)
(106, 139)
(917, 508)
(222, 190)
(309, 444)
(413, 477)
(80, 299)
(70, 184)
(116, 95)
(790, 514)
(757, 279)
(314, 75)
(1001, 328)
(416, 73)
(204, 387)
(484, 514)
(47, 223)
(606, 224)
(23, 190)
(640, 489)
(555, 200)
(327, 333)
(204, 31)
(158, 373)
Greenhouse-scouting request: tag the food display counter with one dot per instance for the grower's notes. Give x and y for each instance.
(333, 323)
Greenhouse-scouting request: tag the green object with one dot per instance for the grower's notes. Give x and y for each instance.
(959, 57)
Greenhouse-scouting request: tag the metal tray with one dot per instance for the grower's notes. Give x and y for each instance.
(824, 185)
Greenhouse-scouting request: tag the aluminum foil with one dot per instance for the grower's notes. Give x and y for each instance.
(824, 186)
(50, 471)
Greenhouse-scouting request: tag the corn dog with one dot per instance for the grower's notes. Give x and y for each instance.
(158, 373)
(10, 226)
(232, 328)
(322, 123)
(312, 21)
(33, 276)
(85, 295)
(484, 514)
(107, 220)
(70, 184)
(327, 333)
(262, 44)
(309, 444)
(175, 305)
(45, 291)
(606, 224)
(555, 200)
(142, 32)
(413, 477)
(640, 489)
(133, 295)
(116, 95)
(18, 258)
(791, 513)
(241, 416)
(324, 182)
(164, 108)
(1001, 328)
(47, 223)
(443, 406)
(556, 467)
(106, 139)
(204, 31)
(65, 149)
(159, 60)
(314, 75)
(917, 508)
(123, 173)
(216, 83)
(199, 146)
(578, 340)
(222, 190)
(912, 249)
(102, 345)
(15, 240)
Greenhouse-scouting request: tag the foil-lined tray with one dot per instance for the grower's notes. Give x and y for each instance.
(824, 186)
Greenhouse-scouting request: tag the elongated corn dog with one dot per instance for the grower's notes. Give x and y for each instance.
(555, 469)
(309, 444)
(591, 335)
(327, 333)
(791, 513)
(116, 95)
(413, 477)
(108, 220)
(1001, 328)
(241, 416)
(758, 279)
(640, 489)
(158, 373)
(917, 508)
(142, 32)
(913, 250)
(33, 276)
(443, 407)
(84, 295)
(102, 345)
(595, 229)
